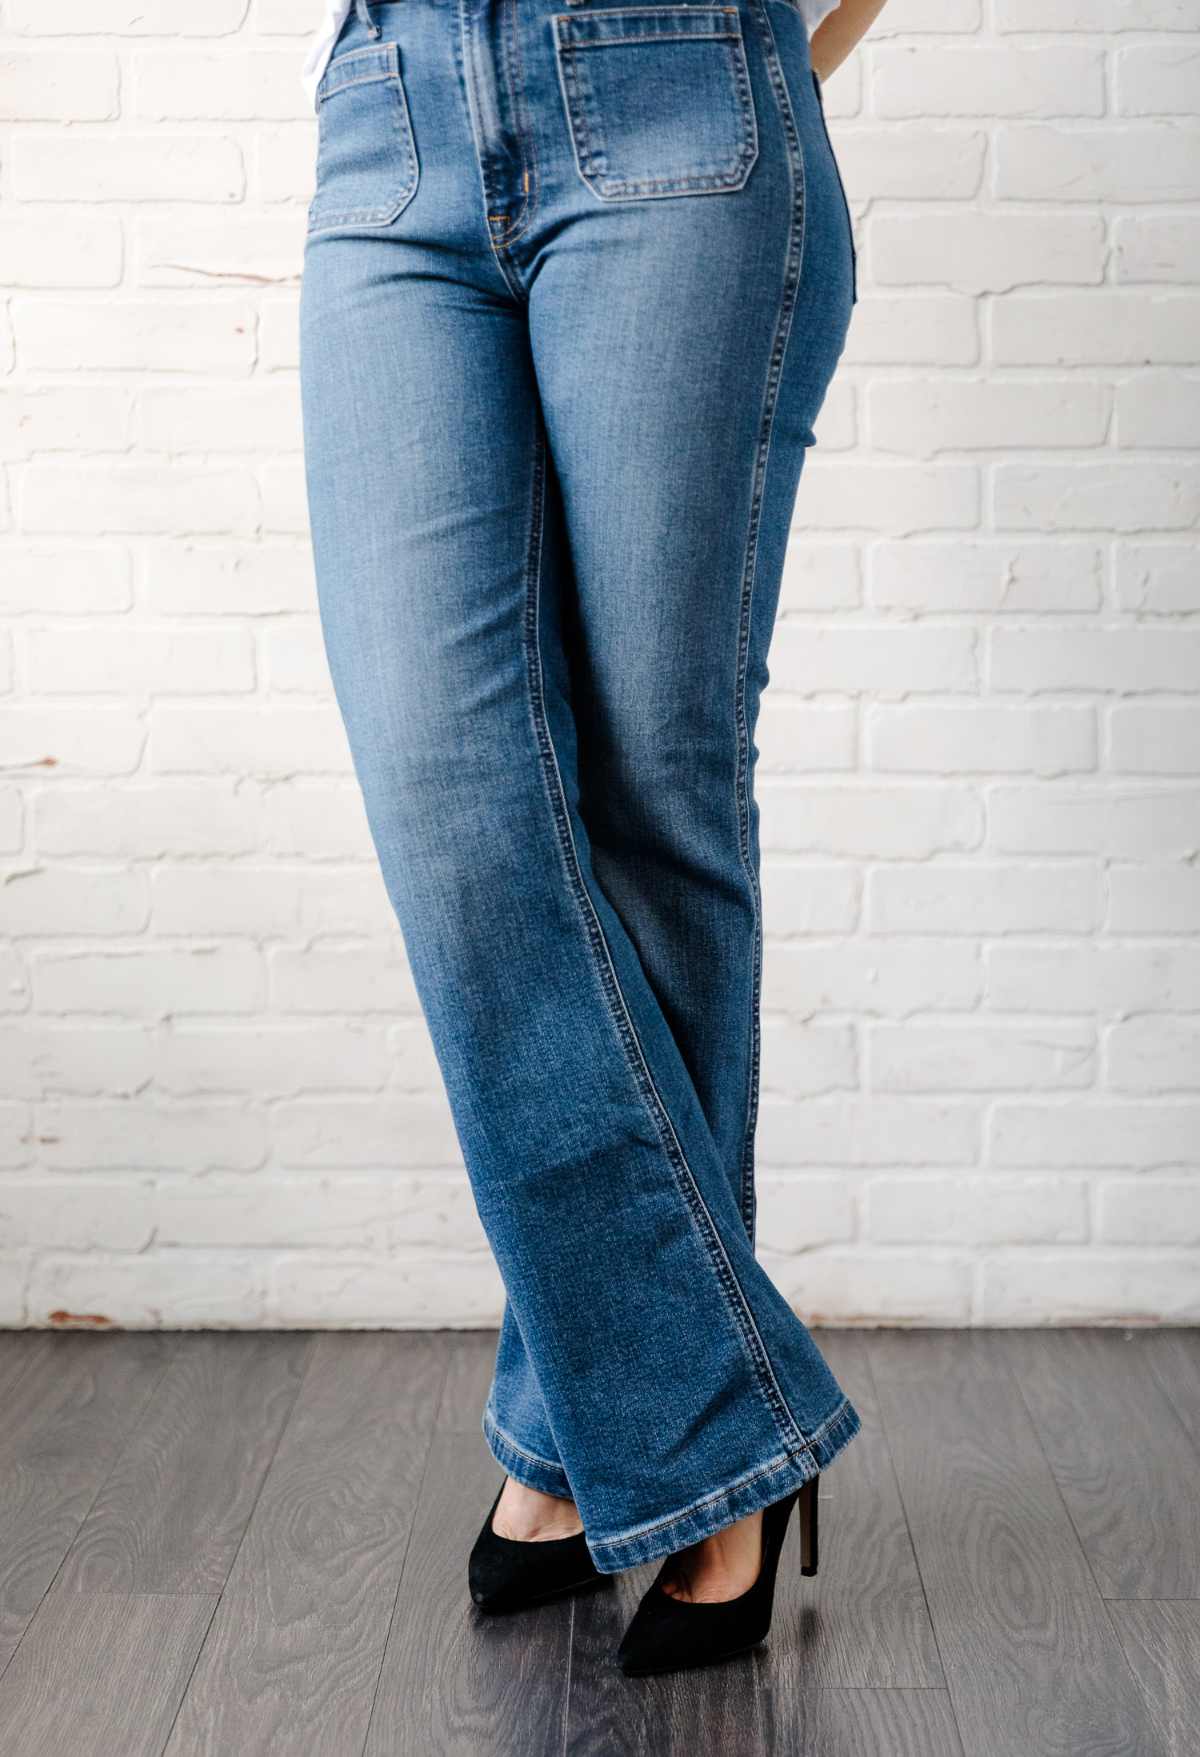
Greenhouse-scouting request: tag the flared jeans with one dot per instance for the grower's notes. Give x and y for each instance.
(576, 279)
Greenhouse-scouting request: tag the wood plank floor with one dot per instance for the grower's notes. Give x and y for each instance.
(244, 1544)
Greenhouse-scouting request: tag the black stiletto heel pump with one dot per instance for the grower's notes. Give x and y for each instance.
(668, 1634)
(808, 1527)
(505, 1574)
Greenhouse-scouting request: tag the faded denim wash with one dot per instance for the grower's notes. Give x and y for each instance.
(576, 280)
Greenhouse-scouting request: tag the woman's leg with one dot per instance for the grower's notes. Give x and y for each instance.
(475, 647)
(667, 702)
(680, 457)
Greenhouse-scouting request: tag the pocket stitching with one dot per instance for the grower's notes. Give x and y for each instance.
(576, 100)
(387, 54)
(319, 219)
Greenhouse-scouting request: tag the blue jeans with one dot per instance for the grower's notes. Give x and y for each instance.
(576, 280)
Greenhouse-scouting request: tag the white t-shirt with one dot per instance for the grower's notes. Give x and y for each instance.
(337, 11)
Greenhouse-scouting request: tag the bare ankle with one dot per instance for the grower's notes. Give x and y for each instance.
(529, 1516)
(720, 1567)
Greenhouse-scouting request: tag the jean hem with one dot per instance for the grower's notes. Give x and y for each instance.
(525, 1467)
(749, 1494)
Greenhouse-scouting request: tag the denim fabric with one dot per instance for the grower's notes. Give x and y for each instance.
(325, 36)
(576, 280)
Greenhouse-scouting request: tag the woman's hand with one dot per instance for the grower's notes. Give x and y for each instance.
(836, 35)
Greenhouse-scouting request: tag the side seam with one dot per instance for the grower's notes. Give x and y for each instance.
(618, 1009)
(783, 329)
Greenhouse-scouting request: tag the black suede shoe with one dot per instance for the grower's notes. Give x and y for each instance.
(669, 1635)
(505, 1574)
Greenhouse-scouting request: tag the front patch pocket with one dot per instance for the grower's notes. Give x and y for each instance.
(366, 159)
(658, 99)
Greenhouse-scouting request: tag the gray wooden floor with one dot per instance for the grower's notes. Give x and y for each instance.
(241, 1544)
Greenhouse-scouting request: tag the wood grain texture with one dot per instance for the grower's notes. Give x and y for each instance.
(293, 1654)
(1031, 1659)
(956, 1357)
(345, 1626)
(1126, 1467)
(1174, 1359)
(861, 1723)
(862, 1619)
(20, 1352)
(172, 1513)
(100, 1675)
(455, 1683)
(469, 1366)
(1162, 1644)
(67, 1415)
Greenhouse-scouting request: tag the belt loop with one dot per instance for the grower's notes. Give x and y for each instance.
(362, 12)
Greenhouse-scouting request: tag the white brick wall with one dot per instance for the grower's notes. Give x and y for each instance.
(980, 754)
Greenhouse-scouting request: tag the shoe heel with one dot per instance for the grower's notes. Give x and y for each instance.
(806, 1506)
